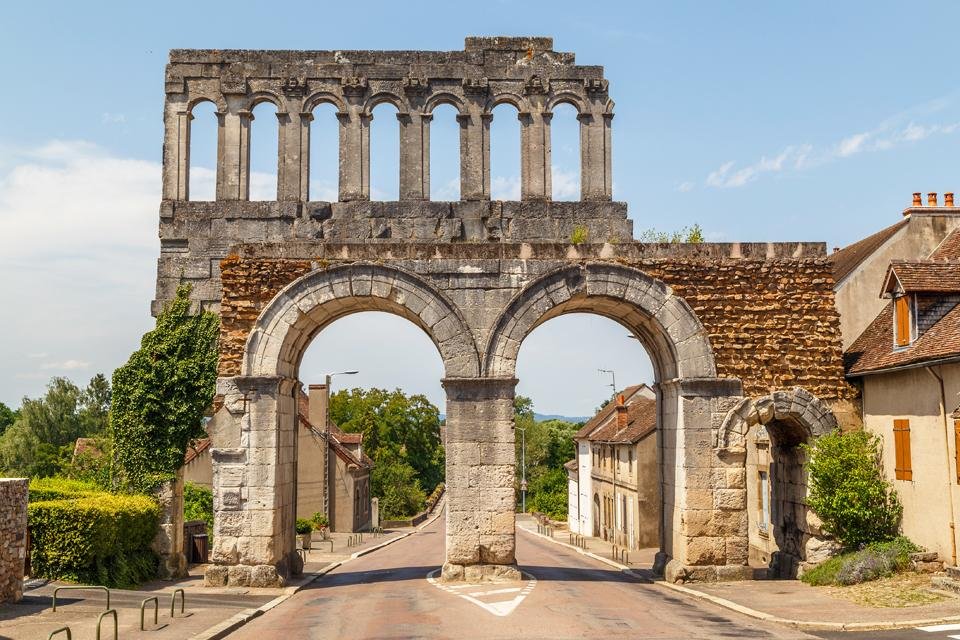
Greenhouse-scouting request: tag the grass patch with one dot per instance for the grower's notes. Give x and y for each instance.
(876, 560)
(898, 591)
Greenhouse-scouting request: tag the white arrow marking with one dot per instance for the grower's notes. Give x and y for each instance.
(500, 608)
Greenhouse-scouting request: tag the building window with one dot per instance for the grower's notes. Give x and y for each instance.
(901, 446)
(630, 461)
(903, 321)
(763, 511)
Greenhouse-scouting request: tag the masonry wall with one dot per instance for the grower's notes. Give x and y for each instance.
(13, 537)
(772, 323)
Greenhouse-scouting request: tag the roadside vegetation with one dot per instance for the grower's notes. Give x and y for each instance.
(549, 444)
(859, 507)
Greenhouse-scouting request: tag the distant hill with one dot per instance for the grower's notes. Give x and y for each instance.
(539, 417)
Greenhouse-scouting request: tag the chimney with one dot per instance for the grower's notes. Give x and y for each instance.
(916, 200)
(836, 249)
(931, 199)
(948, 199)
(319, 400)
(621, 413)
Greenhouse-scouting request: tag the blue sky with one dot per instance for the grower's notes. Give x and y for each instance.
(757, 120)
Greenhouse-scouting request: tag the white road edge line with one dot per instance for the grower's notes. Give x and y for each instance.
(936, 628)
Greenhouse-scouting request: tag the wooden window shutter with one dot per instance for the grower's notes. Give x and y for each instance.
(956, 447)
(901, 445)
(902, 320)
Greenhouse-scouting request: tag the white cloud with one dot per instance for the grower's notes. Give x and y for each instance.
(113, 118)
(887, 136)
(685, 187)
(504, 188)
(566, 185)
(66, 365)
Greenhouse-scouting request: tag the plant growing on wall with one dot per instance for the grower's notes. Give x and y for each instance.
(848, 490)
(161, 393)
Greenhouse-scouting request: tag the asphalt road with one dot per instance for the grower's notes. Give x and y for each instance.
(387, 594)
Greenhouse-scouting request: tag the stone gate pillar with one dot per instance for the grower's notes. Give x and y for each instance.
(481, 503)
(254, 453)
(474, 155)
(596, 182)
(294, 147)
(354, 156)
(233, 155)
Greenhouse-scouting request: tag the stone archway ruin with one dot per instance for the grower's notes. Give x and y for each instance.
(477, 276)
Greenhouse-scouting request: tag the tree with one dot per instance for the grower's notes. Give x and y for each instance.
(41, 439)
(848, 490)
(161, 394)
(546, 446)
(394, 427)
(396, 484)
(7, 417)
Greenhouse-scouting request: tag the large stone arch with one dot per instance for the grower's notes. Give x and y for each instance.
(303, 308)
(699, 538)
(666, 325)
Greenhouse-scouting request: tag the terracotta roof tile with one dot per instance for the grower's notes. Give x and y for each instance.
(933, 276)
(570, 465)
(949, 249)
(198, 447)
(873, 350)
(605, 413)
(641, 420)
(850, 257)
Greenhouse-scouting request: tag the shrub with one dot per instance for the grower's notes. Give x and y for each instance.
(548, 494)
(44, 489)
(579, 235)
(96, 539)
(876, 560)
(319, 520)
(198, 504)
(848, 490)
(304, 526)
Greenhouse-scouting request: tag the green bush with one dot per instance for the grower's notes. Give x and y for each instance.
(43, 489)
(97, 539)
(848, 490)
(876, 560)
(319, 520)
(304, 526)
(548, 494)
(579, 235)
(198, 505)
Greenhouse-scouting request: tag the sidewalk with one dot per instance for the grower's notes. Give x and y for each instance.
(788, 602)
(211, 612)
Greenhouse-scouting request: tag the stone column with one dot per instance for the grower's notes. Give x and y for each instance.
(233, 155)
(704, 534)
(293, 149)
(168, 543)
(595, 179)
(176, 154)
(254, 482)
(414, 155)
(13, 537)
(535, 160)
(481, 460)
(474, 155)
(354, 155)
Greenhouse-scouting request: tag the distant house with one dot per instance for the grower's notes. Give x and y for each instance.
(614, 482)
(322, 454)
(907, 361)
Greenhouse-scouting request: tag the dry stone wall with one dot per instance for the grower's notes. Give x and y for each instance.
(13, 537)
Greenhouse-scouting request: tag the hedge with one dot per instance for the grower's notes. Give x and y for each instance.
(43, 489)
(99, 539)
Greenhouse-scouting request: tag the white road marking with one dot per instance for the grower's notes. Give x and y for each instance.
(940, 627)
(954, 637)
(501, 608)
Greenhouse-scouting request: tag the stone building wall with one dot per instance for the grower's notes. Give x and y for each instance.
(13, 537)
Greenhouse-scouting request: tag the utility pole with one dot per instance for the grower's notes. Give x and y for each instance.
(523, 469)
(613, 383)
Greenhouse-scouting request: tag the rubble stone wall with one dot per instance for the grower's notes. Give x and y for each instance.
(13, 537)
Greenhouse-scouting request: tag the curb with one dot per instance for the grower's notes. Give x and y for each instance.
(228, 626)
(810, 625)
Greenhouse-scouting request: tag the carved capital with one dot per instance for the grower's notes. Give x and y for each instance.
(535, 85)
(476, 86)
(595, 85)
(415, 85)
(294, 87)
(354, 86)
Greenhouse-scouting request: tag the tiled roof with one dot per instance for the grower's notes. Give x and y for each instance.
(338, 436)
(873, 350)
(932, 276)
(641, 420)
(570, 465)
(850, 257)
(949, 249)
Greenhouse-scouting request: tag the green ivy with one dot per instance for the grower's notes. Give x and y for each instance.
(198, 505)
(97, 539)
(161, 394)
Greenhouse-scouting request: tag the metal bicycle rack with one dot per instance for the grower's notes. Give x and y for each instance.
(78, 588)
(156, 610)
